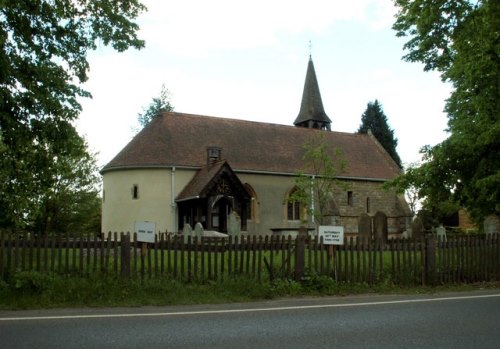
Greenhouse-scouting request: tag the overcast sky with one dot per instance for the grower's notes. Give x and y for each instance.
(248, 60)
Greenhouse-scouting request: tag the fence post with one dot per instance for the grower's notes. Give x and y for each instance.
(430, 260)
(125, 255)
(300, 261)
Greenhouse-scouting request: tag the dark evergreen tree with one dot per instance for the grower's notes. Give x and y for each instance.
(156, 107)
(375, 120)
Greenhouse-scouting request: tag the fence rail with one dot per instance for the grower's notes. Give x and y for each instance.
(460, 258)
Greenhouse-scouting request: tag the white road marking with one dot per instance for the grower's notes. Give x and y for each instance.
(245, 310)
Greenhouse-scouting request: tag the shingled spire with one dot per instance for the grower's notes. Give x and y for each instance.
(312, 114)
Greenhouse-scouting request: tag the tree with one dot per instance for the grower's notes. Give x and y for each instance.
(71, 202)
(156, 107)
(461, 40)
(421, 186)
(43, 50)
(317, 183)
(375, 120)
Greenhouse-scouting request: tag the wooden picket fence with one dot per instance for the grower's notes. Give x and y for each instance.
(459, 259)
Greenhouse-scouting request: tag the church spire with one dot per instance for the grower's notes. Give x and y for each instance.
(312, 114)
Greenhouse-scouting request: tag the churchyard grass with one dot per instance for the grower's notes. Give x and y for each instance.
(256, 267)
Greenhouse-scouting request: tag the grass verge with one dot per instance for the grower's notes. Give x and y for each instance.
(32, 290)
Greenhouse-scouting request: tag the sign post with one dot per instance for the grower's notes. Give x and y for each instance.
(332, 235)
(145, 233)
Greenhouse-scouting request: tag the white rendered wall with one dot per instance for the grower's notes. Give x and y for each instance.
(120, 210)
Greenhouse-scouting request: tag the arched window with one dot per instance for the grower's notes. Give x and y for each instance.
(294, 208)
(252, 207)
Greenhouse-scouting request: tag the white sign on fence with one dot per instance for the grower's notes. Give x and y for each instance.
(145, 231)
(332, 235)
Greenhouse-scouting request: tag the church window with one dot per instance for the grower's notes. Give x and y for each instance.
(367, 205)
(135, 192)
(252, 207)
(349, 198)
(294, 208)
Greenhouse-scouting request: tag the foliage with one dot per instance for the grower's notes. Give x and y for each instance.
(32, 282)
(71, 202)
(375, 120)
(41, 290)
(32, 290)
(158, 105)
(316, 185)
(420, 187)
(43, 60)
(460, 39)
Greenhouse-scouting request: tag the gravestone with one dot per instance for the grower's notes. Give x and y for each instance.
(491, 224)
(328, 220)
(417, 227)
(234, 225)
(440, 233)
(198, 231)
(186, 232)
(407, 234)
(364, 226)
(380, 226)
(331, 213)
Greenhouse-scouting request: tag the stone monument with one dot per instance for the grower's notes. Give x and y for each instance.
(187, 231)
(440, 233)
(380, 226)
(198, 231)
(234, 225)
(417, 227)
(364, 226)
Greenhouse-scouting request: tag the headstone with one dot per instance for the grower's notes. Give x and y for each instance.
(186, 232)
(407, 234)
(417, 227)
(303, 232)
(380, 231)
(234, 225)
(364, 226)
(440, 233)
(491, 224)
(198, 230)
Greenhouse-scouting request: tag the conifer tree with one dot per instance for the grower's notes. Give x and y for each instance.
(155, 108)
(375, 120)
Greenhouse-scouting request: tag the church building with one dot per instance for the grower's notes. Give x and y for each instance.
(184, 168)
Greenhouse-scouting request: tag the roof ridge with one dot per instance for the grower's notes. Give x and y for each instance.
(180, 114)
(179, 141)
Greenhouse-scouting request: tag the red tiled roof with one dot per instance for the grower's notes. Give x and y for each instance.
(201, 180)
(181, 140)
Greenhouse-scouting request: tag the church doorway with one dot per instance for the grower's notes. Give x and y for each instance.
(221, 208)
(213, 193)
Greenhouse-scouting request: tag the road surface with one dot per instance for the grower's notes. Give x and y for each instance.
(452, 320)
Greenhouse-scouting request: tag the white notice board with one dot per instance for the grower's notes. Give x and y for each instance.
(332, 235)
(145, 231)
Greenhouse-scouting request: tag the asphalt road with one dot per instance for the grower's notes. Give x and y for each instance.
(453, 320)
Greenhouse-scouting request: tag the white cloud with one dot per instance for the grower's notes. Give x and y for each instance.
(248, 60)
(193, 27)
